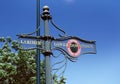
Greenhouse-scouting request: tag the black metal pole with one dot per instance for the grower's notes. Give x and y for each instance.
(47, 56)
(38, 60)
(47, 43)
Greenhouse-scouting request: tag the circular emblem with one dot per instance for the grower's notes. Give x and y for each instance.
(74, 48)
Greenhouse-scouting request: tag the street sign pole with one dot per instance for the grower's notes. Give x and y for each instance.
(70, 46)
(38, 34)
(47, 44)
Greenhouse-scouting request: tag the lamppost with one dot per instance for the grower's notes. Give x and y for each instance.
(38, 60)
(70, 46)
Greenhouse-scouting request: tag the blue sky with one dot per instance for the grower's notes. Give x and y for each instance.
(88, 19)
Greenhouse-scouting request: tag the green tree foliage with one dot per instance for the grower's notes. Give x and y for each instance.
(19, 67)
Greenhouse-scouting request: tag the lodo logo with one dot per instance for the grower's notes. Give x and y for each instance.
(74, 48)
